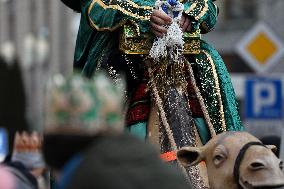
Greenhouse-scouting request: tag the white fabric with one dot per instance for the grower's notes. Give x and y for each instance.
(173, 40)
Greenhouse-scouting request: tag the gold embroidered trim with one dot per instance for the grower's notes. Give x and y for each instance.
(190, 8)
(143, 15)
(198, 9)
(131, 43)
(101, 3)
(139, 7)
(136, 27)
(218, 89)
(107, 28)
(121, 23)
(204, 10)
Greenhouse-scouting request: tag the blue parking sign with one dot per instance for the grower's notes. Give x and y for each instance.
(263, 98)
(3, 144)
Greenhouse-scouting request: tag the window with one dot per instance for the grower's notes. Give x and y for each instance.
(236, 14)
(240, 9)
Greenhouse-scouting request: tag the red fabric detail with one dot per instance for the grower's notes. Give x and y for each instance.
(139, 103)
(194, 102)
(169, 156)
(140, 93)
(138, 113)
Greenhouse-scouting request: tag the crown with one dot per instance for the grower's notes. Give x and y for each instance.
(25, 142)
(27, 150)
(84, 106)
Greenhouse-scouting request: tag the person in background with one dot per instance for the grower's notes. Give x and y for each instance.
(12, 99)
(26, 163)
(28, 151)
(85, 143)
(22, 177)
(7, 180)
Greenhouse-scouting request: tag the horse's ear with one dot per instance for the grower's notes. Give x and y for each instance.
(189, 156)
(273, 148)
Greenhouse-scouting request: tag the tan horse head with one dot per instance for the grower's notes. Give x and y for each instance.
(236, 160)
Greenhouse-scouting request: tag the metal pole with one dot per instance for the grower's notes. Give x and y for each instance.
(22, 28)
(67, 45)
(38, 76)
(3, 22)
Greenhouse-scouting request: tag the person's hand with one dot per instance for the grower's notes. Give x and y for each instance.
(185, 23)
(158, 20)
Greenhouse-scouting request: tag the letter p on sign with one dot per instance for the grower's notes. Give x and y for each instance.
(263, 98)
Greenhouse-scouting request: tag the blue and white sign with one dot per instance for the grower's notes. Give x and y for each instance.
(263, 98)
(3, 144)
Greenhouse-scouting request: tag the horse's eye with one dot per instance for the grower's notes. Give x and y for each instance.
(218, 157)
(257, 165)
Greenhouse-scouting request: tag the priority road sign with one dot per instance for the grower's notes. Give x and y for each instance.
(261, 48)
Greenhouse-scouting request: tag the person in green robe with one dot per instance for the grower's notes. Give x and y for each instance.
(101, 44)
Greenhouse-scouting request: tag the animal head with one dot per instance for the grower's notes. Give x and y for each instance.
(236, 160)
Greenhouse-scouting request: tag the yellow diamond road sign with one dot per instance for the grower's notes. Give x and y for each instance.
(260, 48)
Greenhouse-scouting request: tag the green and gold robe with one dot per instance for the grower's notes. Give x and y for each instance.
(98, 47)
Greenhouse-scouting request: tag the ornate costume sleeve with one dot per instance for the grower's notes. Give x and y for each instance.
(203, 14)
(108, 15)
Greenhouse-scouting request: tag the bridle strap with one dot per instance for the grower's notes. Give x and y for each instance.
(240, 158)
